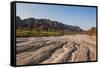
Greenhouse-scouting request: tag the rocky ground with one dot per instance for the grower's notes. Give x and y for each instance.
(55, 49)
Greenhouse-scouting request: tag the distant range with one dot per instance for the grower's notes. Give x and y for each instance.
(45, 24)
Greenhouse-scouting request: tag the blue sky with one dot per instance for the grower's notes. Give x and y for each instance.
(84, 17)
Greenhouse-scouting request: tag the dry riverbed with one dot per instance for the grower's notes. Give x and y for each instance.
(55, 49)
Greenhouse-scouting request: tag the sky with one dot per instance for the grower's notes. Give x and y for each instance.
(84, 17)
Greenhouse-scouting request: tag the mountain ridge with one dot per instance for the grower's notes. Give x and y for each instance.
(45, 24)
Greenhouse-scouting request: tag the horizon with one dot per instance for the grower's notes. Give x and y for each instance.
(84, 17)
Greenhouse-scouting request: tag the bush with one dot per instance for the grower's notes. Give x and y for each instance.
(34, 33)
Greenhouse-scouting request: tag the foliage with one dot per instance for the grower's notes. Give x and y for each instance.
(35, 33)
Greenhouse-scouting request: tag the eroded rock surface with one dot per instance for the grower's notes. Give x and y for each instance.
(55, 49)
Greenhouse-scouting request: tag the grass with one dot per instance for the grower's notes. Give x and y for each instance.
(35, 33)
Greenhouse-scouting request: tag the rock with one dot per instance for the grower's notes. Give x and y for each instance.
(45, 24)
(60, 49)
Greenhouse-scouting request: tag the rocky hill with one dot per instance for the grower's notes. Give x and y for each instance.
(92, 31)
(45, 24)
